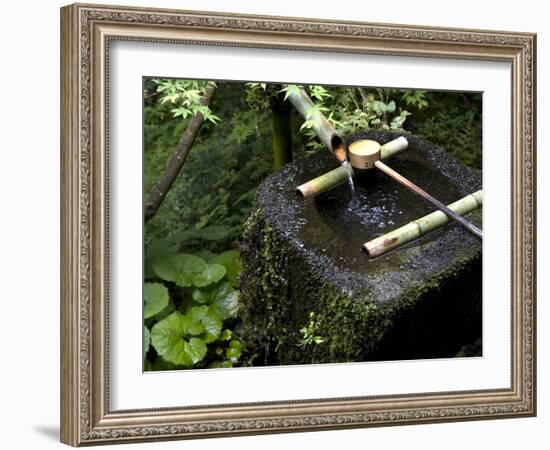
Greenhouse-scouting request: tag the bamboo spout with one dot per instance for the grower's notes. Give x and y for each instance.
(339, 175)
(422, 226)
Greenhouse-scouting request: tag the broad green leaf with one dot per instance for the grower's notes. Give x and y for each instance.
(146, 340)
(196, 329)
(181, 268)
(156, 298)
(196, 313)
(231, 260)
(225, 302)
(188, 270)
(212, 325)
(195, 349)
(193, 320)
(212, 273)
(379, 107)
(167, 339)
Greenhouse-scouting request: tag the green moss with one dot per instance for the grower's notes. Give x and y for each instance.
(348, 326)
(264, 285)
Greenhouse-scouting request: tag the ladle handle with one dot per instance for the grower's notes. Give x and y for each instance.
(422, 193)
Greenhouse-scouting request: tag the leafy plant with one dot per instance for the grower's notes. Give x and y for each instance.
(454, 123)
(351, 110)
(156, 298)
(186, 96)
(188, 316)
(308, 333)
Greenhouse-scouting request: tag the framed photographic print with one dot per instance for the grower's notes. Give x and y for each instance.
(281, 224)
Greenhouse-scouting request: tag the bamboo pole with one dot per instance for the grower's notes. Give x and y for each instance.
(326, 181)
(422, 193)
(322, 127)
(339, 175)
(394, 147)
(422, 226)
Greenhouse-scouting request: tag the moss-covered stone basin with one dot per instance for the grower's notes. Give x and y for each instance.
(312, 295)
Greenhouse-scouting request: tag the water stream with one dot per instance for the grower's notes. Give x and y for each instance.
(347, 166)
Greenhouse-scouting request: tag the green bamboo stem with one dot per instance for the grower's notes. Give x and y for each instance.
(325, 182)
(322, 127)
(420, 227)
(394, 147)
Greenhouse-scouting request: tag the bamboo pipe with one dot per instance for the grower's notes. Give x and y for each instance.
(322, 127)
(339, 175)
(422, 226)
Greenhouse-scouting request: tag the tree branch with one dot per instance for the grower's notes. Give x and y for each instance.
(157, 195)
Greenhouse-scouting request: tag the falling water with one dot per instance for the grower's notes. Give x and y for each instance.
(346, 165)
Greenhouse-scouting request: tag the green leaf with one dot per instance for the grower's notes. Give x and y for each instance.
(207, 255)
(179, 268)
(234, 351)
(212, 325)
(194, 317)
(196, 313)
(188, 270)
(226, 335)
(195, 349)
(225, 301)
(164, 313)
(201, 295)
(290, 89)
(212, 273)
(231, 260)
(378, 107)
(146, 340)
(195, 329)
(156, 298)
(168, 338)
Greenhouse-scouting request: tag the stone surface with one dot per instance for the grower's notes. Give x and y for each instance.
(305, 275)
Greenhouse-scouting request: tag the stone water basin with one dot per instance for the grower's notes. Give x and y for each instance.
(304, 265)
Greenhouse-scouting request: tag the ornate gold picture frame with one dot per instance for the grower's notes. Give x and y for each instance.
(87, 31)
